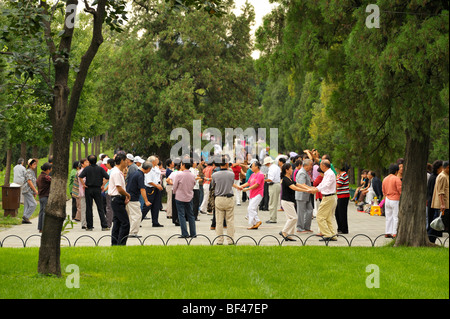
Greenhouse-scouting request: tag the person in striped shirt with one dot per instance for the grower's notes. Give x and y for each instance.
(343, 194)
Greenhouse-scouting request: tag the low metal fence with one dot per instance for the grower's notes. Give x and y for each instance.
(371, 242)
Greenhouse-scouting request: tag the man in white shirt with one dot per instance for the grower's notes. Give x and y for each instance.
(19, 176)
(119, 200)
(153, 188)
(273, 180)
(327, 208)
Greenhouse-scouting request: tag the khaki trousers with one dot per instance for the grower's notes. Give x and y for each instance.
(134, 215)
(291, 217)
(274, 201)
(325, 215)
(224, 210)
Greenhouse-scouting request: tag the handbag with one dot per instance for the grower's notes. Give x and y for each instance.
(437, 224)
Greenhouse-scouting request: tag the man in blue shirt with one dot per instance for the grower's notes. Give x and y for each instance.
(136, 188)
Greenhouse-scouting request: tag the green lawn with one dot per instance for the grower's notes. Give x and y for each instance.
(242, 272)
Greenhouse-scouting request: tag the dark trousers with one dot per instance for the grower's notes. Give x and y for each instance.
(121, 223)
(154, 197)
(94, 194)
(196, 202)
(264, 205)
(145, 209)
(185, 210)
(341, 215)
(174, 211)
(74, 207)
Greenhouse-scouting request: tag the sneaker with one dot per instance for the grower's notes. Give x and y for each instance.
(26, 221)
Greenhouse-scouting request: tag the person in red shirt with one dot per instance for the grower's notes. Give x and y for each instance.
(237, 175)
(43, 183)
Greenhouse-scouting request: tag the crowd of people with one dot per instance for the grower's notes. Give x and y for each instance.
(126, 188)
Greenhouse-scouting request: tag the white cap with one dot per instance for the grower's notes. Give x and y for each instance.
(130, 157)
(139, 159)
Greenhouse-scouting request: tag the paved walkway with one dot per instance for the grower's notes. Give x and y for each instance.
(267, 234)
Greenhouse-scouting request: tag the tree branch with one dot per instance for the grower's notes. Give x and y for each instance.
(48, 31)
(87, 58)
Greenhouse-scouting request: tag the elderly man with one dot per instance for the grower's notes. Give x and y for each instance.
(153, 188)
(19, 175)
(273, 180)
(304, 200)
(329, 202)
(136, 188)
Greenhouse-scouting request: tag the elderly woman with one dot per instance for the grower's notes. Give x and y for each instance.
(29, 191)
(43, 182)
(255, 186)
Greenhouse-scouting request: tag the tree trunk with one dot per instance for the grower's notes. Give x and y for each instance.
(8, 166)
(86, 147)
(23, 152)
(411, 218)
(55, 211)
(62, 116)
(74, 152)
(79, 150)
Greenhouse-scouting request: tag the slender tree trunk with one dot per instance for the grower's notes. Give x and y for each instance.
(55, 211)
(62, 116)
(79, 150)
(8, 166)
(412, 224)
(74, 152)
(86, 147)
(23, 152)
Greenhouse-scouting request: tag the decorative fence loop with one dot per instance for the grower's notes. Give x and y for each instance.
(214, 240)
(246, 236)
(200, 235)
(4, 239)
(364, 235)
(176, 235)
(143, 242)
(75, 243)
(278, 241)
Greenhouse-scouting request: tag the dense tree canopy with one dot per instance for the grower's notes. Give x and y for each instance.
(170, 68)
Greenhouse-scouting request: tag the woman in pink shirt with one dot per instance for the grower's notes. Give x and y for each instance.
(255, 185)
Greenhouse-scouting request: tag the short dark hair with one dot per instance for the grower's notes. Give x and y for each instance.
(187, 164)
(445, 164)
(46, 166)
(92, 159)
(76, 164)
(284, 168)
(119, 158)
(111, 162)
(393, 168)
(436, 166)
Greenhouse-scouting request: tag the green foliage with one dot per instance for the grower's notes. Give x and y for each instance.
(171, 68)
(381, 82)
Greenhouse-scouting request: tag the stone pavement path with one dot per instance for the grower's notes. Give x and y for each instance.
(267, 234)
